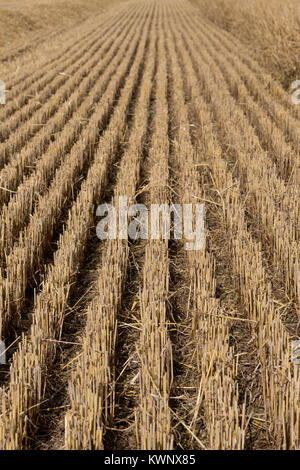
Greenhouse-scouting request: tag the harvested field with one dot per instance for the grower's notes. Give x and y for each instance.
(147, 342)
(26, 23)
(270, 31)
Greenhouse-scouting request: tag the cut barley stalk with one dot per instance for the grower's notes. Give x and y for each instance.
(16, 214)
(92, 387)
(30, 84)
(282, 202)
(281, 390)
(35, 354)
(210, 336)
(271, 86)
(33, 122)
(23, 261)
(155, 353)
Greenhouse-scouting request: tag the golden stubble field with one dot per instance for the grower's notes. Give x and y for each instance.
(141, 344)
(24, 22)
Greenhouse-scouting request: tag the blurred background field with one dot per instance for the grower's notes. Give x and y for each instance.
(22, 21)
(271, 30)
